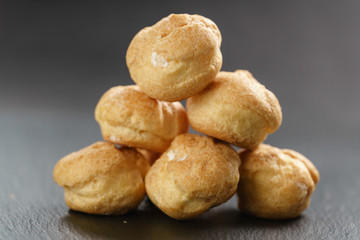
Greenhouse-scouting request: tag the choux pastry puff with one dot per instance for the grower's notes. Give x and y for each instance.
(194, 174)
(175, 58)
(127, 116)
(275, 183)
(235, 108)
(101, 179)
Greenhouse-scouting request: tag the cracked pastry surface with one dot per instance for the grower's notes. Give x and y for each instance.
(101, 179)
(275, 183)
(175, 58)
(127, 116)
(194, 174)
(235, 108)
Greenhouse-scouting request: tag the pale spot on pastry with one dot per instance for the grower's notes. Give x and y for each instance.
(182, 159)
(114, 139)
(158, 61)
(171, 155)
(303, 189)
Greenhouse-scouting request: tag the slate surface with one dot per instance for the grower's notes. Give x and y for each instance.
(57, 58)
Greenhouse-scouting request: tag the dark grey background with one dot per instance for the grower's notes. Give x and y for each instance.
(58, 57)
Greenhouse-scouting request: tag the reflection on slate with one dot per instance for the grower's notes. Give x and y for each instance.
(154, 224)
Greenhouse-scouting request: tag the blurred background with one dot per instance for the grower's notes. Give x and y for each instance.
(58, 57)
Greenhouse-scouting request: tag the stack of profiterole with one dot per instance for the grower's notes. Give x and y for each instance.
(147, 150)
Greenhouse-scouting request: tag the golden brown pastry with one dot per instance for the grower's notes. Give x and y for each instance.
(150, 156)
(193, 175)
(275, 183)
(101, 179)
(235, 108)
(175, 58)
(127, 116)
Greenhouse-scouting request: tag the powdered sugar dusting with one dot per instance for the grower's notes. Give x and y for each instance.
(158, 61)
